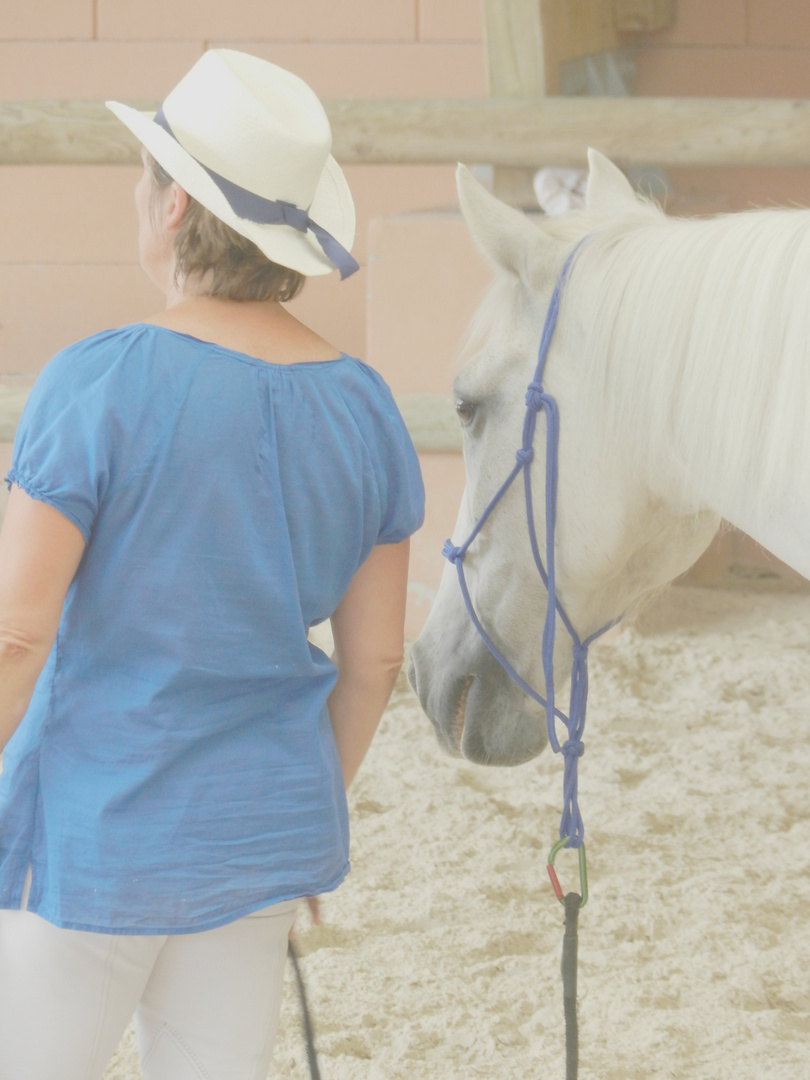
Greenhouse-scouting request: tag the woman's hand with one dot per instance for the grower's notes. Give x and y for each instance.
(314, 905)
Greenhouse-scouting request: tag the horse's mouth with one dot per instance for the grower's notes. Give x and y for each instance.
(456, 731)
(448, 721)
(482, 717)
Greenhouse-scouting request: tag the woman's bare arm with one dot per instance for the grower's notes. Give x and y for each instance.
(368, 627)
(40, 551)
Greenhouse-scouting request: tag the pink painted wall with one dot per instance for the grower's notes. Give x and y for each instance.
(67, 234)
(731, 48)
(70, 235)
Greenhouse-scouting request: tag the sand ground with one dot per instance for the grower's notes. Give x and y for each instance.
(438, 959)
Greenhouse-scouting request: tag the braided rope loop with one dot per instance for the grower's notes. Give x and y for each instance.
(572, 829)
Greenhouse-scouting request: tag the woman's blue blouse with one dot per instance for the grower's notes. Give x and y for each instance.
(176, 767)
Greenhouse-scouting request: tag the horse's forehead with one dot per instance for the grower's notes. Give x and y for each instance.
(502, 359)
(506, 329)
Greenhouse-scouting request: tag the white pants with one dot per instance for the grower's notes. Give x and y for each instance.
(206, 1005)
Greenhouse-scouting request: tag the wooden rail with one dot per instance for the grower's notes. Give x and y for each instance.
(430, 418)
(512, 132)
(12, 399)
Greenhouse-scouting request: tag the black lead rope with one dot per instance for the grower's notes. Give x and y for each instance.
(573, 902)
(568, 968)
(306, 1022)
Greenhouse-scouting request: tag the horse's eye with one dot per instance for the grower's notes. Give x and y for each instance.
(465, 412)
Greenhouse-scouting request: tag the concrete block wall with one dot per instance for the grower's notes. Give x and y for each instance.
(730, 48)
(66, 217)
(425, 279)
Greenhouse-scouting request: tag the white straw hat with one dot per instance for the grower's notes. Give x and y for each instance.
(251, 141)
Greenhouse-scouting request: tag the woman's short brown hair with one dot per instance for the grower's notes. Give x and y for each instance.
(218, 259)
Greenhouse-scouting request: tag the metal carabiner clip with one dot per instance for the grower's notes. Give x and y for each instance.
(583, 872)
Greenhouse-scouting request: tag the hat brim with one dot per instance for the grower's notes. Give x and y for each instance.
(332, 207)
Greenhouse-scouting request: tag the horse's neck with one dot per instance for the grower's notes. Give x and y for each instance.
(764, 493)
(771, 504)
(711, 369)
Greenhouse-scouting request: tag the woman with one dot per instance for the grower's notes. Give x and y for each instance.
(188, 496)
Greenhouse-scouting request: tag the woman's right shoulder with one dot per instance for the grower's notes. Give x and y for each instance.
(101, 357)
(92, 374)
(98, 348)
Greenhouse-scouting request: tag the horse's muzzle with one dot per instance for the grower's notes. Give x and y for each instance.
(477, 711)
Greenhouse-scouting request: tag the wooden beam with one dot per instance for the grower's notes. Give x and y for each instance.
(633, 131)
(12, 399)
(65, 132)
(430, 418)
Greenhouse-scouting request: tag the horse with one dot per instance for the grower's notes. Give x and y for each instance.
(680, 365)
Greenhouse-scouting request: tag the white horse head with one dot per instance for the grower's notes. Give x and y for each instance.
(676, 349)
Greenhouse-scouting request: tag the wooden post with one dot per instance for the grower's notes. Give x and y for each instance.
(515, 68)
(574, 29)
(513, 48)
(525, 41)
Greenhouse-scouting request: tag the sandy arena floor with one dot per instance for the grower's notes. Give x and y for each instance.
(439, 957)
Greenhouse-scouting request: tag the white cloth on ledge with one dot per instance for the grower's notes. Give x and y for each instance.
(559, 190)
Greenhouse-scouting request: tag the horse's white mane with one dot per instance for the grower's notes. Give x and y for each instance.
(697, 335)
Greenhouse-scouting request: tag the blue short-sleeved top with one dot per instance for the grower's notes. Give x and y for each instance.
(176, 768)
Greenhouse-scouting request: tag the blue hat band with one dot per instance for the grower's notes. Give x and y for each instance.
(252, 207)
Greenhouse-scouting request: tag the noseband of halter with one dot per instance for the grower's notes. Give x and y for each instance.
(537, 400)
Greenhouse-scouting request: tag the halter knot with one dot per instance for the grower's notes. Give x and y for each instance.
(579, 651)
(572, 830)
(535, 396)
(451, 552)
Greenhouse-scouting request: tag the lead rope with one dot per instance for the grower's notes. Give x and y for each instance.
(568, 969)
(572, 830)
(306, 1022)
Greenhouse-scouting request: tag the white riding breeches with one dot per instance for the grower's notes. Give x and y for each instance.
(206, 1004)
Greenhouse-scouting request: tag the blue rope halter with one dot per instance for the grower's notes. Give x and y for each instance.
(572, 829)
